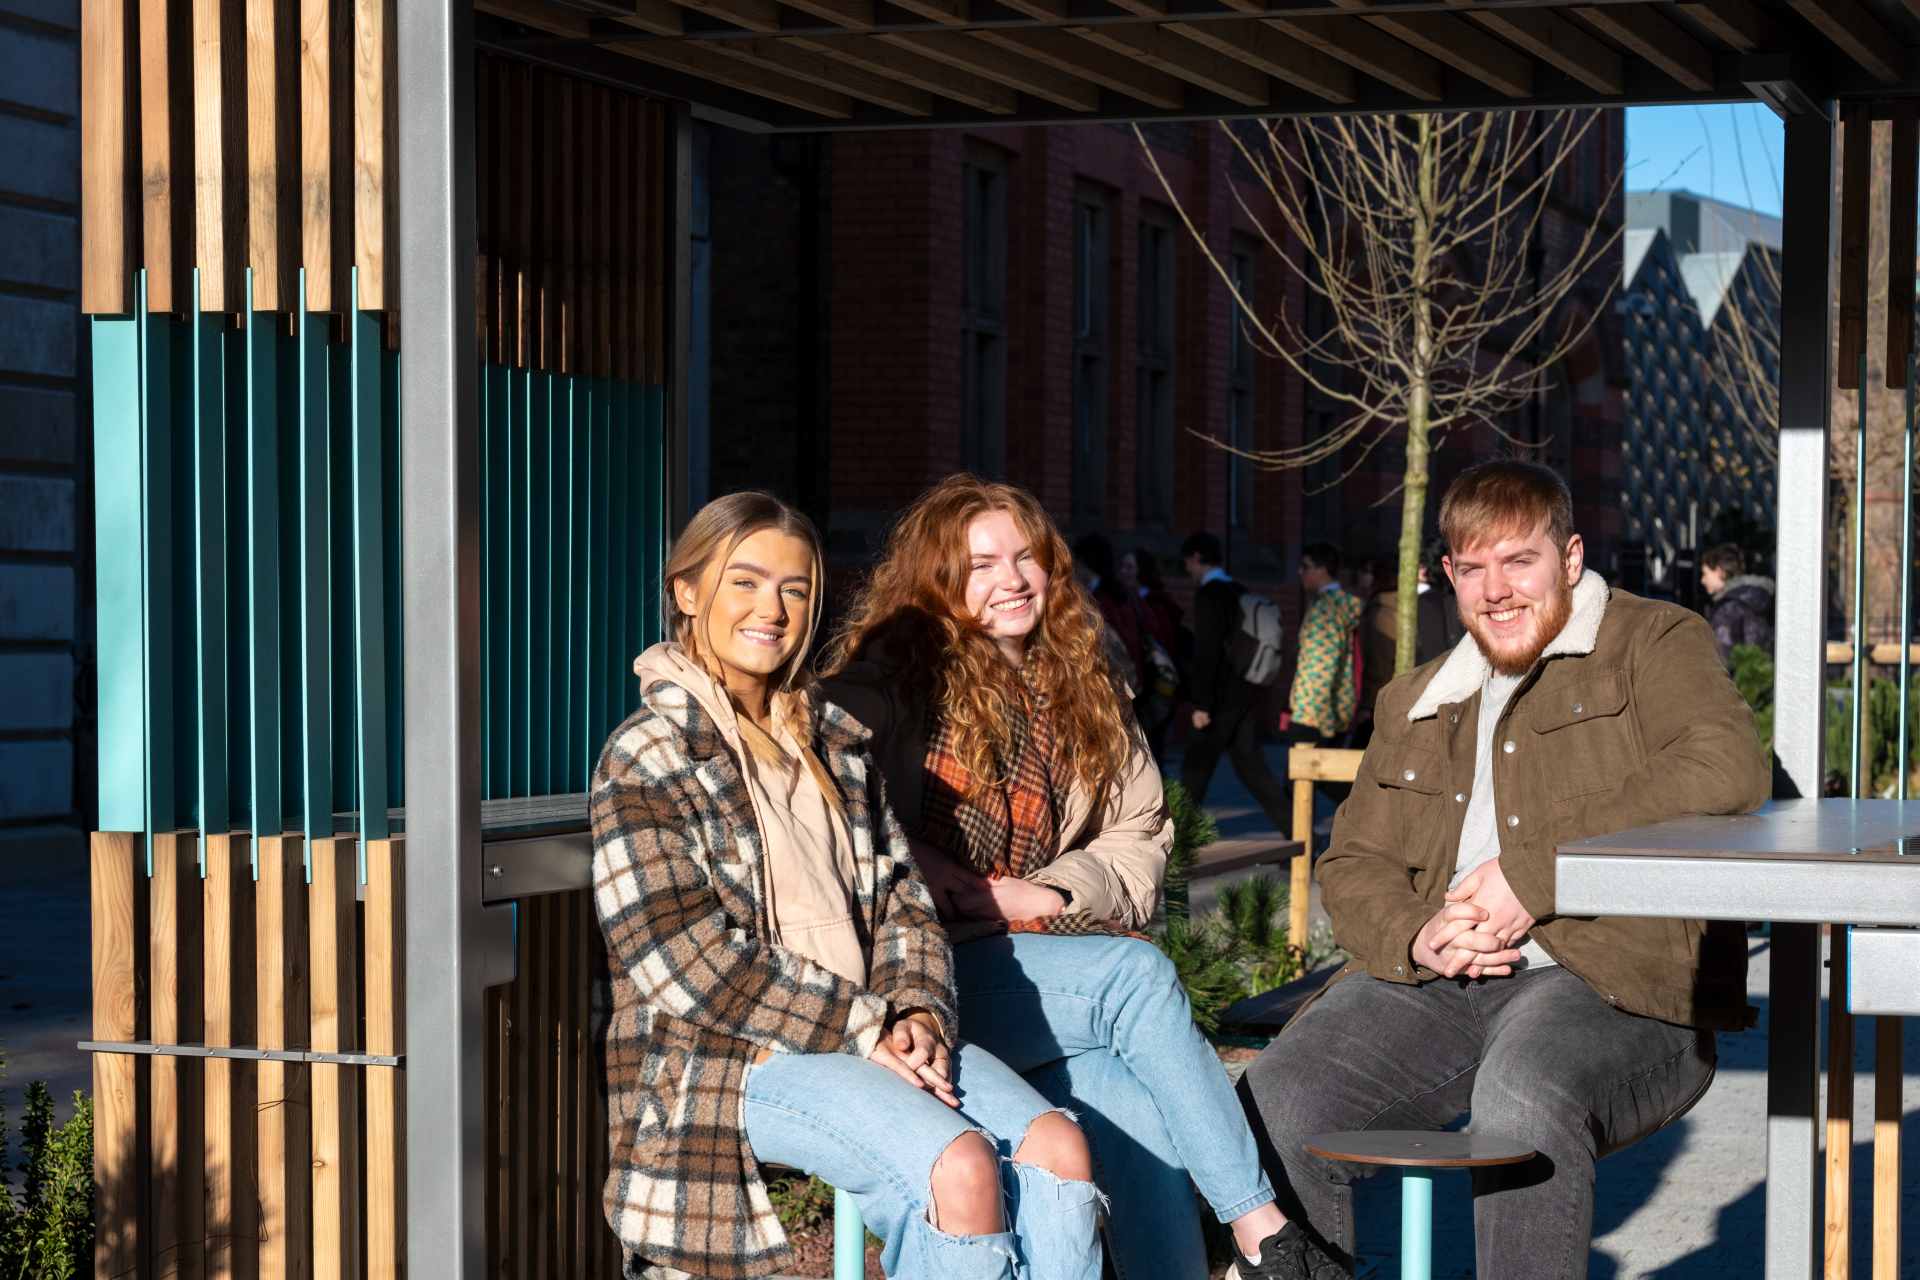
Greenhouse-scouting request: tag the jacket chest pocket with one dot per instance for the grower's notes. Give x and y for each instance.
(1586, 741)
(1416, 777)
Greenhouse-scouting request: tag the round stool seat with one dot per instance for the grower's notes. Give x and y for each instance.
(1418, 1149)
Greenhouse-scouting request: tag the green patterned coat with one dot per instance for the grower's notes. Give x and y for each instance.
(1324, 692)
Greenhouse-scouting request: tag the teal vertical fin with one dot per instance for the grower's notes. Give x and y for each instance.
(396, 622)
(316, 639)
(582, 748)
(599, 544)
(539, 583)
(210, 563)
(653, 506)
(513, 623)
(117, 573)
(498, 739)
(619, 554)
(156, 555)
(263, 562)
(560, 774)
(370, 617)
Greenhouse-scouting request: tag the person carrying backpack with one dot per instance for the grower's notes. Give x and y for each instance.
(1236, 635)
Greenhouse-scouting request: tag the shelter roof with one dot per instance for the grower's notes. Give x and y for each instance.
(807, 65)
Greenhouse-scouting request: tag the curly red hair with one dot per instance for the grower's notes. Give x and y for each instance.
(911, 614)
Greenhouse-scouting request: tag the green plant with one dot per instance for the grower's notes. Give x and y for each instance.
(47, 1232)
(1206, 957)
(1880, 749)
(1193, 830)
(1753, 677)
(803, 1204)
(1251, 912)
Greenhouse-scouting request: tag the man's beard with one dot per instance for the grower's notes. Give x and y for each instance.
(1551, 618)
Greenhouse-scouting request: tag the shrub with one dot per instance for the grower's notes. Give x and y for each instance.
(1193, 830)
(46, 1233)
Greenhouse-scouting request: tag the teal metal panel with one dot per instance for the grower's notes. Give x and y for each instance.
(619, 554)
(181, 618)
(598, 547)
(117, 573)
(290, 433)
(343, 682)
(156, 557)
(395, 628)
(583, 746)
(533, 624)
(519, 521)
(497, 561)
(264, 567)
(316, 632)
(561, 777)
(235, 398)
(209, 401)
(370, 616)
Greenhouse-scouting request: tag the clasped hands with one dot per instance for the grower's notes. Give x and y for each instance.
(961, 893)
(1478, 932)
(913, 1049)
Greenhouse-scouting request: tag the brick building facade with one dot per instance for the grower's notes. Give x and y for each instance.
(881, 309)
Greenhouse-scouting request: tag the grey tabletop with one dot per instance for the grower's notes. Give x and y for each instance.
(1803, 830)
(1415, 1148)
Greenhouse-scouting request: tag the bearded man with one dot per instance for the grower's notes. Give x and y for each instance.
(1568, 710)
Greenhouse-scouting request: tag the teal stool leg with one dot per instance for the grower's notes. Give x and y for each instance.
(1416, 1225)
(849, 1238)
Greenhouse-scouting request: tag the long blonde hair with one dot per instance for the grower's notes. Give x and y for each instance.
(709, 538)
(913, 607)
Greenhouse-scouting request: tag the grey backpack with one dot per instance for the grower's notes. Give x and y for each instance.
(1255, 648)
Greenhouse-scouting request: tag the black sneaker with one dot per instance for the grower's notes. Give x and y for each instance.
(1289, 1254)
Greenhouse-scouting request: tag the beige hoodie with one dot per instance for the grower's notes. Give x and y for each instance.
(809, 848)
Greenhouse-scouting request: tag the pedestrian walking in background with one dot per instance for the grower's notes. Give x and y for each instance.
(1225, 703)
(1325, 692)
(1740, 609)
(1093, 562)
(1164, 674)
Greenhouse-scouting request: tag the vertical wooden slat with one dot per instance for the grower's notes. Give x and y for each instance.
(316, 628)
(1856, 177)
(109, 181)
(573, 172)
(318, 199)
(1839, 1110)
(333, 959)
(1888, 1080)
(280, 918)
(569, 963)
(521, 147)
(230, 1086)
(1903, 212)
(219, 153)
(119, 1154)
(660, 278)
(602, 214)
(484, 153)
(165, 153)
(1302, 867)
(272, 186)
(373, 170)
(556, 158)
(174, 991)
(386, 1086)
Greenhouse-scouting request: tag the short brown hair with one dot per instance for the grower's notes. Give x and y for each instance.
(1727, 558)
(1505, 499)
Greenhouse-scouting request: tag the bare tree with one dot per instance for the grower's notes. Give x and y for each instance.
(1418, 234)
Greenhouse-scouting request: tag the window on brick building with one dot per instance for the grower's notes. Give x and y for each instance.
(1240, 390)
(1092, 351)
(983, 315)
(1153, 325)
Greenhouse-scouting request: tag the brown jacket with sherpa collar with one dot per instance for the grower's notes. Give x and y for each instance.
(1627, 719)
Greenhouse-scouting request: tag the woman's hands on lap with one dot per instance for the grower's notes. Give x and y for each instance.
(1009, 898)
(913, 1049)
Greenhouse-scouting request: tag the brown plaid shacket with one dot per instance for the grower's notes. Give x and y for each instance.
(680, 882)
(1011, 827)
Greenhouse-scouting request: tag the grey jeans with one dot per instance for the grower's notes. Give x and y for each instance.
(1537, 1058)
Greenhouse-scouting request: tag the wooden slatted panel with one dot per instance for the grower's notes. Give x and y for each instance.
(319, 198)
(375, 185)
(1839, 1233)
(219, 152)
(271, 155)
(1903, 212)
(386, 1086)
(280, 917)
(118, 1151)
(1856, 174)
(1888, 1080)
(174, 992)
(334, 1022)
(517, 235)
(109, 179)
(166, 153)
(227, 935)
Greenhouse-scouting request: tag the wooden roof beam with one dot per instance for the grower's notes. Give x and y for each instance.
(1644, 33)
(1044, 10)
(1558, 43)
(1738, 24)
(1109, 70)
(854, 15)
(1364, 49)
(1196, 64)
(958, 49)
(813, 68)
(952, 13)
(1857, 32)
(695, 59)
(1458, 44)
(749, 15)
(910, 68)
(1277, 55)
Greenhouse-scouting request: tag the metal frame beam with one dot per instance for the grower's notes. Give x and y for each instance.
(1794, 1204)
(456, 946)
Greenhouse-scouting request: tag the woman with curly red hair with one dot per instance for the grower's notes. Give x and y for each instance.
(1036, 814)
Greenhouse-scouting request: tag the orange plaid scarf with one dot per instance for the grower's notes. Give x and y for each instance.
(1011, 828)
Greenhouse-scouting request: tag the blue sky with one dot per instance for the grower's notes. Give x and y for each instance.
(1731, 152)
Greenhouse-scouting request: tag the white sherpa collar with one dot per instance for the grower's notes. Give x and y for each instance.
(1465, 669)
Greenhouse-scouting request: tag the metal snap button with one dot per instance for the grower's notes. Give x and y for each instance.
(1513, 819)
(1407, 776)
(1459, 797)
(1507, 746)
(1578, 708)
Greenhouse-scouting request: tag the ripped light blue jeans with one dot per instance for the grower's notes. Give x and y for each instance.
(873, 1135)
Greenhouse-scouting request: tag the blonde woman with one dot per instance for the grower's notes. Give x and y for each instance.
(782, 991)
(1037, 816)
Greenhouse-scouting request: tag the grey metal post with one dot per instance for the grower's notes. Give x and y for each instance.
(1794, 1202)
(455, 946)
